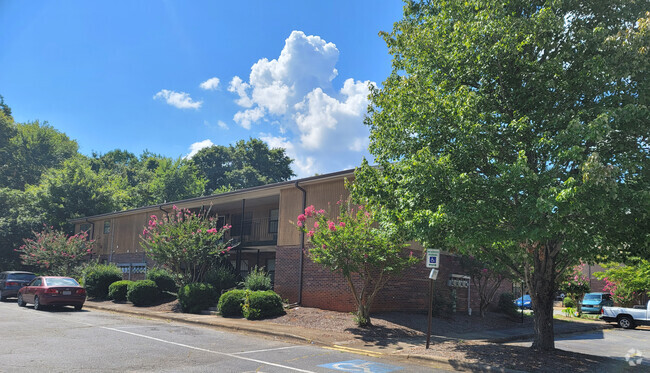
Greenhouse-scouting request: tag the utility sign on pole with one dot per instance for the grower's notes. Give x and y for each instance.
(433, 258)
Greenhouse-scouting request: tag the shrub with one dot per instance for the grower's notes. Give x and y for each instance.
(98, 277)
(568, 302)
(222, 278)
(507, 304)
(163, 279)
(196, 297)
(231, 302)
(142, 293)
(257, 280)
(441, 305)
(262, 304)
(117, 290)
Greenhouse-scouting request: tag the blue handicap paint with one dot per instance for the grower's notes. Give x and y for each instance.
(361, 366)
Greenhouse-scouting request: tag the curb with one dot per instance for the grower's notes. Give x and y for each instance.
(247, 330)
(524, 337)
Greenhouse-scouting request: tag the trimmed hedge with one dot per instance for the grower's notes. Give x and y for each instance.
(197, 297)
(117, 290)
(163, 279)
(142, 293)
(262, 304)
(98, 277)
(231, 302)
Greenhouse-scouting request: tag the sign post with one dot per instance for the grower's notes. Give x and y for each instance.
(433, 261)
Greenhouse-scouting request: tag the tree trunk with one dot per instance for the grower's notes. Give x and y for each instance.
(542, 285)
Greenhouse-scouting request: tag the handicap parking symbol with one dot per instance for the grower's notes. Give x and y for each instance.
(361, 366)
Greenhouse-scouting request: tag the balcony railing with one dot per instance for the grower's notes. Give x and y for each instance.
(258, 232)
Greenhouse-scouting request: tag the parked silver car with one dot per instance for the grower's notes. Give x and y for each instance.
(12, 281)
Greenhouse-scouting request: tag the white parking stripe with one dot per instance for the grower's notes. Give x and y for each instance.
(192, 347)
(206, 350)
(267, 350)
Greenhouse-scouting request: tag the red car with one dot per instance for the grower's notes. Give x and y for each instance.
(45, 291)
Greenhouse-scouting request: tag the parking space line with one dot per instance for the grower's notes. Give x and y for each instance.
(267, 350)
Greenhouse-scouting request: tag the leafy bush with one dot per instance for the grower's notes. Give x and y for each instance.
(142, 293)
(568, 302)
(231, 302)
(262, 304)
(98, 277)
(507, 304)
(222, 278)
(257, 280)
(163, 279)
(117, 290)
(196, 297)
(441, 306)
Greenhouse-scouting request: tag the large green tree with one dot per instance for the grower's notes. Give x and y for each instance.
(34, 148)
(74, 191)
(243, 165)
(520, 129)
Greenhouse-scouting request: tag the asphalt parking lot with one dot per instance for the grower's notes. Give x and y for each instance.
(617, 343)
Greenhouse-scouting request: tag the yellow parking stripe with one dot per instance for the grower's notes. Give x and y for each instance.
(354, 351)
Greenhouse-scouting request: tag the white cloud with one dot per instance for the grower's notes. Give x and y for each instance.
(321, 128)
(210, 84)
(180, 100)
(239, 86)
(245, 118)
(222, 125)
(194, 148)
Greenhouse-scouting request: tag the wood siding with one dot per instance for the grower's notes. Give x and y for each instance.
(323, 195)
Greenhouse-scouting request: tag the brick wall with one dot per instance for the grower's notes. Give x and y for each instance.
(407, 292)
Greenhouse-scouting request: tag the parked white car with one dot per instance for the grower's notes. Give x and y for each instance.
(627, 318)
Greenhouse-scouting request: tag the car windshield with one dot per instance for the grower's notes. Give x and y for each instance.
(61, 282)
(592, 297)
(21, 276)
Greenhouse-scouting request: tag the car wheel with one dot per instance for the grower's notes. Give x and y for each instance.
(78, 307)
(21, 302)
(626, 322)
(37, 304)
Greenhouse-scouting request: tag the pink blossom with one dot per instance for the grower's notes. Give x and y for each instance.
(198, 231)
(320, 212)
(154, 217)
(342, 224)
(88, 250)
(331, 226)
(299, 223)
(310, 210)
(484, 270)
(367, 214)
(310, 234)
(174, 207)
(228, 248)
(316, 225)
(223, 252)
(302, 218)
(213, 230)
(324, 246)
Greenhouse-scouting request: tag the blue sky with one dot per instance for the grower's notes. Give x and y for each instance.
(139, 75)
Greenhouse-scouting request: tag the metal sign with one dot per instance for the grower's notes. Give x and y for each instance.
(433, 258)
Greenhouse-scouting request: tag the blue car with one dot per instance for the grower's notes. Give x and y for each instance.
(594, 302)
(526, 302)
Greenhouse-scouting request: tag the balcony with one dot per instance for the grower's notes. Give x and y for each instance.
(253, 232)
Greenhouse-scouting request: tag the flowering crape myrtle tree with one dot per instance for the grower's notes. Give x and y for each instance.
(55, 253)
(627, 283)
(359, 247)
(520, 128)
(575, 285)
(185, 243)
